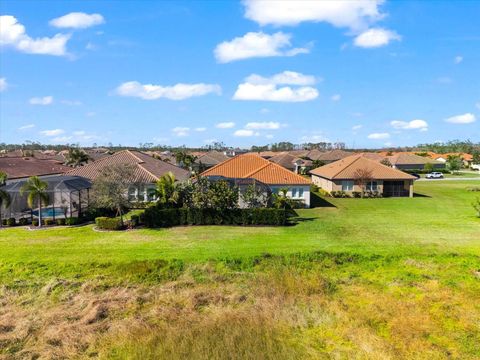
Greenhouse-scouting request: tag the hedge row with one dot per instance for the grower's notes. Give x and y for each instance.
(155, 217)
(107, 223)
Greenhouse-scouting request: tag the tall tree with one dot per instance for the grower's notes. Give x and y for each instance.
(76, 157)
(454, 163)
(5, 199)
(362, 177)
(110, 188)
(37, 193)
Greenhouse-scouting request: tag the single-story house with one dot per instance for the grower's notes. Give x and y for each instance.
(147, 171)
(340, 176)
(328, 156)
(406, 161)
(467, 159)
(23, 167)
(292, 162)
(253, 166)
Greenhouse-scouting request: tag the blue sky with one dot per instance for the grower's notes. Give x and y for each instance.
(369, 73)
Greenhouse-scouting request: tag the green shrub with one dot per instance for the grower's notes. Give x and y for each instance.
(72, 221)
(157, 217)
(314, 188)
(11, 222)
(60, 222)
(48, 222)
(135, 220)
(356, 194)
(106, 223)
(35, 222)
(23, 222)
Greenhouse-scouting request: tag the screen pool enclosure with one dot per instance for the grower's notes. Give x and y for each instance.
(68, 196)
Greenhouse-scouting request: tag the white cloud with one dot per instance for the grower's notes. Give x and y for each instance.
(477, 105)
(377, 37)
(71, 102)
(200, 129)
(256, 44)
(357, 127)
(269, 136)
(336, 97)
(263, 125)
(181, 131)
(245, 133)
(340, 13)
(176, 92)
(225, 125)
(3, 84)
(26, 127)
(12, 33)
(61, 139)
(458, 59)
(54, 132)
(46, 100)
(421, 125)
(257, 87)
(77, 20)
(467, 118)
(379, 136)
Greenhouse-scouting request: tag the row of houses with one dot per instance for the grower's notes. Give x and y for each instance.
(69, 188)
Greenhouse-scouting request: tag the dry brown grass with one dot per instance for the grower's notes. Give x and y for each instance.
(276, 312)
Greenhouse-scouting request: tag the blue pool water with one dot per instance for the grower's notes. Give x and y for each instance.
(49, 212)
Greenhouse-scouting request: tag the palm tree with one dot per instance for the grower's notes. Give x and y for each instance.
(4, 196)
(76, 157)
(37, 191)
(165, 189)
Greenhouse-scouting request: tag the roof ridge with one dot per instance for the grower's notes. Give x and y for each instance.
(358, 156)
(283, 169)
(258, 169)
(228, 160)
(135, 156)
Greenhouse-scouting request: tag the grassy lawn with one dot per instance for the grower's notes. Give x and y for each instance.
(356, 278)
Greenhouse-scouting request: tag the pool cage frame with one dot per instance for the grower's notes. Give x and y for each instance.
(69, 196)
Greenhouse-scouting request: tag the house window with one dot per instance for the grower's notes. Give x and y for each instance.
(372, 186)
(294, 192)
(347, 185)
(300, 192)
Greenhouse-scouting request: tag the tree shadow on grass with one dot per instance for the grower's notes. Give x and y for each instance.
(317, 201)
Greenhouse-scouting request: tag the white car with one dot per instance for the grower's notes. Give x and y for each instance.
(434, 175)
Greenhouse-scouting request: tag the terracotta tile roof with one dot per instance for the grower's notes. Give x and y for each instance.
(464, 156)
(409, 159)
(212, 158)
(288, 160)
(148, 169)
(254, 166)
(333, 155)
(346, 168)
(19, 167)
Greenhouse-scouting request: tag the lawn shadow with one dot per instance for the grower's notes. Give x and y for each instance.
(421, 195)
(318, 201)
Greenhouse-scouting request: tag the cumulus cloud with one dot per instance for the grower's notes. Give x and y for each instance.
(355, 15)
(26, 127)
(46, 100)
(336, 97)
(77, 20)
(245, 133)
(372, 38)
(379, 136)
(3, 84)
(421, 125)
(175, 92)
(13, 34)
(269, 125)
(181, 131)
(225, 125)
(357, 127)
(54, 132)
(467, 118)
(200, 129)
(256, 44)
(257, 87)
(458, 59)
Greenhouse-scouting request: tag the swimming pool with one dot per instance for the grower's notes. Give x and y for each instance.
(49, 212)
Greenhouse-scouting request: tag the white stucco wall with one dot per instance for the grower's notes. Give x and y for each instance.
(294, 192)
